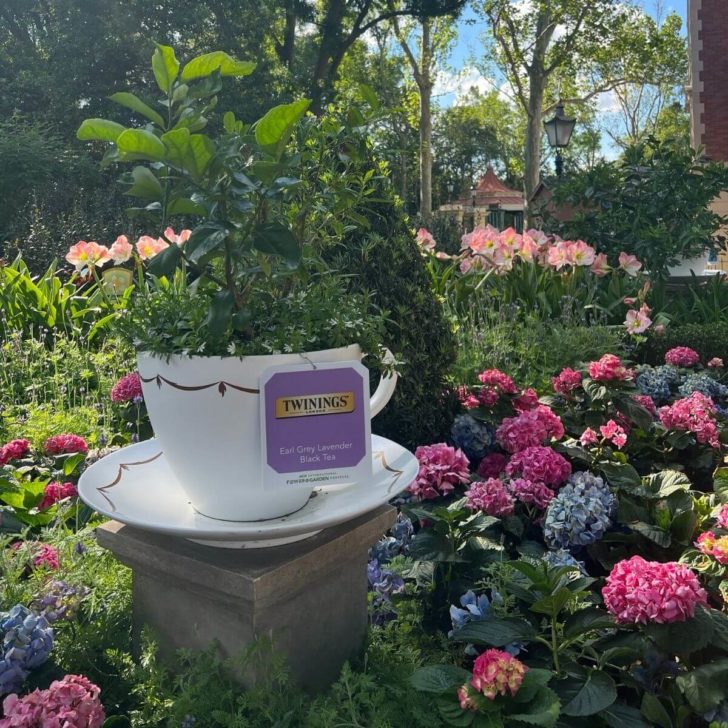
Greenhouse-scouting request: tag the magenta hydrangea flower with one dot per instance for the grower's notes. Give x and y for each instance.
(495, 672)
(722, 517)
(14, 450)
(491, 497)
(540, 464)
(589, 437)
(566, 381)
(69, 703)
(609, 369)
(492, 465)
(127, 389)
(716, 546)
(613, 433)
(55, 492)
(46, 555)
(647, 402)
(639, 591)
(530, 493)
(526, 400)
(530, 428)
(441, 468)
(695, 414)
(495, 383)
(65, 444)
(682, 356)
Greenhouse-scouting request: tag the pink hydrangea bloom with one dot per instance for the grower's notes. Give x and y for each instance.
(495, 672)
(589, 437)
(614, 434)
(715, 546)
(722, 517)
(69, 703)
(14, 450)
(647, 402)
(716, 363)
(46, 555)
(639, 591)
(121, 250)
(55, 492)
(425, 239)
(540, 464)
(629, 264)
(693, 414)
(128, 388)
(65, 444)
(682, 356)
(530, 493)
(609, 369)
(529, 428)
(566, 381)
(492, 465)
(526, 400)
(441, 468)
(495, 383)
(466, 398)
(490, 496)
(466, 702)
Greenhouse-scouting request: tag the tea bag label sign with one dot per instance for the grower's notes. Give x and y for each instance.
(315, 424)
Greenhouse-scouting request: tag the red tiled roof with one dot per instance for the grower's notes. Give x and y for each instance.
(490, 190)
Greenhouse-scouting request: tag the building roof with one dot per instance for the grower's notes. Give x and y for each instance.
(491, 191)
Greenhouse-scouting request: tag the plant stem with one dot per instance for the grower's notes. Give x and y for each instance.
(554, 646)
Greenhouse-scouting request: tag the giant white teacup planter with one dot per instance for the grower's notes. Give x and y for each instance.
(205, 412)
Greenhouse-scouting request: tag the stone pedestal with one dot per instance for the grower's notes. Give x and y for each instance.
(311, 596)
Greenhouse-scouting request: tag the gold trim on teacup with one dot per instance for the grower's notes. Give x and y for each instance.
(397, 473)
(119, 474)
(222, 387)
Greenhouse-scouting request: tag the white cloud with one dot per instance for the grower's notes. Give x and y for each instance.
(607, 103)
(457, 87)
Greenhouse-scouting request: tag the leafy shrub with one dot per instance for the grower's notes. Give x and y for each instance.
(653, 202)
(709, 340)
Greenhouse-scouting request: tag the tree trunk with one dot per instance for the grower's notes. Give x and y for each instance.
(533, 139)
(286, 49)
(330, 46)
(425, 89)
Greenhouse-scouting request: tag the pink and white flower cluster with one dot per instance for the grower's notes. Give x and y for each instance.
(695, 414)
(527, 429)
(539, 464)
(716, 546)
(610, 433)
(682, 356)
(495, 672)
(72, 702)
(639, 591)
(441, 469)
(88, 255)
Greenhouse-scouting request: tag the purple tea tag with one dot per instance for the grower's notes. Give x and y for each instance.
(315, 424)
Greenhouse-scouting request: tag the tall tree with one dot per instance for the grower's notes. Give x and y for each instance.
(596, 46)
(431, 43)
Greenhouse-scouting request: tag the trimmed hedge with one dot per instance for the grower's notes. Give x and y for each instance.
(709, 340)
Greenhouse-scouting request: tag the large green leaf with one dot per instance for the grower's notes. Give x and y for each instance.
(99, 130)
(166, 262)
(275, 127)
(204, 65)
(720, 484)
(496, 632)
(619, 715)
(177, 145)
(705, 687)
(220, 314)
(201, 152)
(274, 238)
(124, 98)
(145, 184)
(620, 475)
(141, 143)
(165, 66)
(543, 710)
(587, 620)
(665, 483)
(205, 239)
(655, 711)
(720, 628)
(588, 696)
(439, 678)
(651, 532)
(682, 638)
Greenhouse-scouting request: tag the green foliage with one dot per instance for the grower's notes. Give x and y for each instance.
(653, 202)
(708, 339)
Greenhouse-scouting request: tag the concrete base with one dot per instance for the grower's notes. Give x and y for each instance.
(310, 596)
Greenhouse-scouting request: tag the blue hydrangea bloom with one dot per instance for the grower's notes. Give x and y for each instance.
(658, 382)
(561, 557)
(580, 513)
(397, 543)
(60, 600)
(383, 582)
(27, 640)
(475, 608)
(474, 438)
(704, 384)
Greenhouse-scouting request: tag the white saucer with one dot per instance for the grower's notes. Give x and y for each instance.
(135, 485)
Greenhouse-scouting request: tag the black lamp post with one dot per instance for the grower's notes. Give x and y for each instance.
(559, 131)
(473, 193)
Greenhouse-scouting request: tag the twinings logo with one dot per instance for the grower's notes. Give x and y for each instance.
(335, 403)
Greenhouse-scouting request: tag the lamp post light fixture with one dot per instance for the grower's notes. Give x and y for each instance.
(473, 193)
(559, 131)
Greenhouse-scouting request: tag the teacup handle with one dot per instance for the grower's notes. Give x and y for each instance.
(385, 390)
